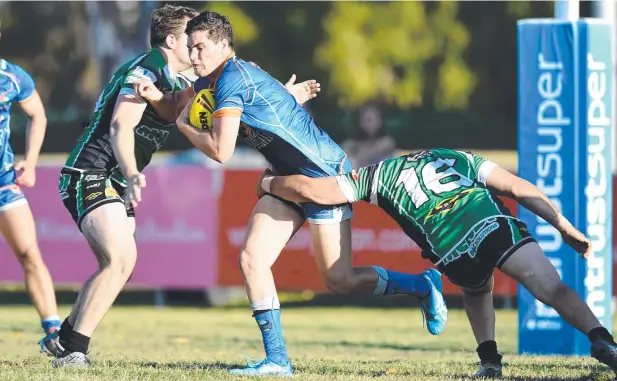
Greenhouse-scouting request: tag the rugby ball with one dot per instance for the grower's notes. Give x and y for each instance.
(202, 107)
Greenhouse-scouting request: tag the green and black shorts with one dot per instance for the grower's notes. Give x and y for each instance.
(83, 191)
(473, 271)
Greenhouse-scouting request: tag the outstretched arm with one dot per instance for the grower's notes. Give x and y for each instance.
(537, 202)
(169, 106)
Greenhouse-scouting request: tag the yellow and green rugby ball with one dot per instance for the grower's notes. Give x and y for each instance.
(202, 108)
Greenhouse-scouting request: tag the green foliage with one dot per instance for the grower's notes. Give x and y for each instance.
(385, 51)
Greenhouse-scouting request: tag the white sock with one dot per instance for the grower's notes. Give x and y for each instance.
(266, 304)
(51, 318)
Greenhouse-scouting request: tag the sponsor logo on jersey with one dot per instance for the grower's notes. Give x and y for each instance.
(156, 136)
(472, 241)
(139, 74)
(254, 138)
(93, 196)
(448, 203)
(111, 192)
(97, 177)
(354, 175)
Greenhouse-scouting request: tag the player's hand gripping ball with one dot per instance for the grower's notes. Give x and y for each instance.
(202, 107)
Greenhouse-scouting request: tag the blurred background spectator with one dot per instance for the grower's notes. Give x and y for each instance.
(370, 143)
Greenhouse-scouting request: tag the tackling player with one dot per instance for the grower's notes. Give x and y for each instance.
(445, 201)
(252, 104)
(101, 181)
(105, 167)
(16, 221)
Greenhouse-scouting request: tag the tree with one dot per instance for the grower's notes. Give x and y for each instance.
(384, 51)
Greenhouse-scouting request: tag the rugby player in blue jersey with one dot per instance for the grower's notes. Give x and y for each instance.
(254, 105)
(101, 181)
(16, 221)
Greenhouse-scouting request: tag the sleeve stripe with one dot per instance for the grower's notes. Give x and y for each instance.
(375, 184)
(346, 188)
(485, 170)
(227, 111)
(131, 93)
(139, 73)
(26, 99)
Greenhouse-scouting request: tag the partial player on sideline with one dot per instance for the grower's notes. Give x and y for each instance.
(16, 221)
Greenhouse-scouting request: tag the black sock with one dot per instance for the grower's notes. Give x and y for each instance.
(487, 351)
(599, 333)
(259, 312)
(65, 330)
(76, 343)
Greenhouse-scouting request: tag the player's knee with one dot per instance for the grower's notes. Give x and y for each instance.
(484, 289)
(122, 265)
(30, 257)
(246, 262)
(477, 291)
(551, 291)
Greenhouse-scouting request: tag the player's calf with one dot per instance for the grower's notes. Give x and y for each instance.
(271, 226)
(351, 281)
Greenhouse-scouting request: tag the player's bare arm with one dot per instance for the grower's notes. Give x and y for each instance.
(537, 202)
(35, 131)
(219, 142)
(127, 114)
(169, 106)
(300, 188)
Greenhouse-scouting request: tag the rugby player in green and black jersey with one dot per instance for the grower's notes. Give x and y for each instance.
(101, 181)
(445, 201)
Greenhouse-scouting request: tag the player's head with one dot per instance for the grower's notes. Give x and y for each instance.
(210, 41)
(167, 32)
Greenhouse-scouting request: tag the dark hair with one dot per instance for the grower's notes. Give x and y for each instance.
(217, 26)
(168, 20)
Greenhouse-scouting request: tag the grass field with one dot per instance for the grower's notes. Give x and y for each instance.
(141, 343)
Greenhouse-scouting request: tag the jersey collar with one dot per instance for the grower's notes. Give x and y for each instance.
(229, 57)
(160, 59)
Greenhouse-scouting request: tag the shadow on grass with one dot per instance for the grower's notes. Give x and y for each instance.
(202, 366)
(593, 376)
(369, 345)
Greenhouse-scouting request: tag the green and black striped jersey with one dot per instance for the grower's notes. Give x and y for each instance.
(93, 151)
(438, 197)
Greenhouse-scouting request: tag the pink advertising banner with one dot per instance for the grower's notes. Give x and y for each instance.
(176, 231)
